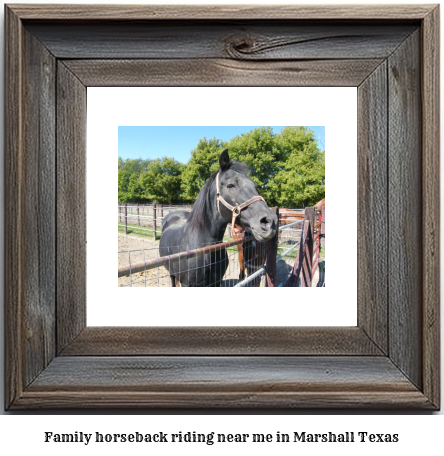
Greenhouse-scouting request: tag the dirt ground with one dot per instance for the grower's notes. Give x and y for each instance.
(132, 250)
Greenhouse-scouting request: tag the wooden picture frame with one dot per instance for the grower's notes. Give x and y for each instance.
(390, 360)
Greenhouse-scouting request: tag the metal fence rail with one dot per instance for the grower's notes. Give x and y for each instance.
(141, 261)
(184, 255)
(149, 217)
(296, 248)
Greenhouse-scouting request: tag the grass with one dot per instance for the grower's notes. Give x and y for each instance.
(322, 254)
(284, 247)
(139, 232)
(231, 249)
(281, 248)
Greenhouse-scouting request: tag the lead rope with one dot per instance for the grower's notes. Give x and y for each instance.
(236, 210)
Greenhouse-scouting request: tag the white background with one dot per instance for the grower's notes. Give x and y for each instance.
(25, 433)
(334, 108)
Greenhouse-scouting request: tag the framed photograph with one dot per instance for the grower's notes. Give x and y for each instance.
(138, 122)
(389, 359)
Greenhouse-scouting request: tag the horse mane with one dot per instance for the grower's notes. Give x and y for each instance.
(201, 208)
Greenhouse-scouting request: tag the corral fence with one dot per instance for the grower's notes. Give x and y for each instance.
(147, 218)
(289, 259)
(311, 243)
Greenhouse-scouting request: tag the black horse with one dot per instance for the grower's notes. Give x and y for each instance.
(229, 195)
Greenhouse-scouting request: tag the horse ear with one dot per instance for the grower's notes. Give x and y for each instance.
(224, 159)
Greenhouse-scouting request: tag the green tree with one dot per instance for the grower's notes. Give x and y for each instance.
(203, 163)
(264, 156)
(288, 169)
(161, 181)
(301, 181)
(129, 189)
(134, 165)
(122, 181)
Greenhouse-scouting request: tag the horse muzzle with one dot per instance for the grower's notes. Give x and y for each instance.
(266, 228)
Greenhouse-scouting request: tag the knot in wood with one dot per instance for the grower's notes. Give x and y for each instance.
(239, 46)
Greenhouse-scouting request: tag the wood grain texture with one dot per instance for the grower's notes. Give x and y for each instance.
(372, 207)
(220, 12)
(263, 40)
(259, 401)
(38, 221)
(71, 206)
(234, 382)
(206, 373)
(30, 205)
(405, 209)
(127, 341)
(221, 72)
(13, 207)
(430, 93)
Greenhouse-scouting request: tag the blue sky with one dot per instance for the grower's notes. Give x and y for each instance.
(177, 142)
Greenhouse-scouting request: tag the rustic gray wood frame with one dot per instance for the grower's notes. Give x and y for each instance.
(390, 360)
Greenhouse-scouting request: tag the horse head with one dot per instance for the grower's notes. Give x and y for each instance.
(238, 199)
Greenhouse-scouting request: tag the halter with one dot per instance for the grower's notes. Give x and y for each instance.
(236, 210)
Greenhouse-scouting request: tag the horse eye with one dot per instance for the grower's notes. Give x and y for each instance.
(230, 186)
